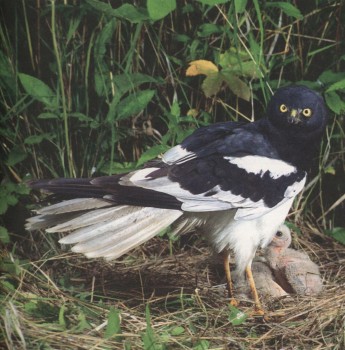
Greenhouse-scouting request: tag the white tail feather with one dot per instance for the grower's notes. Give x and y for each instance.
(102, 231)
(77, 204)
(141, 226)
(90, 218)
(114, 224)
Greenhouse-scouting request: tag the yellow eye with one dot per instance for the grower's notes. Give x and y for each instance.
(283, 108)
(307, 112)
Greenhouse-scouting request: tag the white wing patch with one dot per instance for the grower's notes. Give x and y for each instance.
(259, 165)
(177, 155)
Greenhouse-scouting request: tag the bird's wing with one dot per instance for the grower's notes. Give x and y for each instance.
(220, 167)
(252, 184)
(238, 169)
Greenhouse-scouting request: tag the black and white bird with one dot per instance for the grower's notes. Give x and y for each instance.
(234, 181)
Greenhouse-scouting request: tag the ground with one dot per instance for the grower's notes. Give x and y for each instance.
(164, 295)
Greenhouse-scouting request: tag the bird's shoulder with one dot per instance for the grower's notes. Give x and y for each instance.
(224, 139)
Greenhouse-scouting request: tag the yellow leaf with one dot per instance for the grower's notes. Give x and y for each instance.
(201, 67)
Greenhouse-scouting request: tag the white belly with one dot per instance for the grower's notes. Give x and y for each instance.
(242, 237)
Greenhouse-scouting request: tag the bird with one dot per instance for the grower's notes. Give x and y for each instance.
(293, 270)
(265, 282)
(234, 181)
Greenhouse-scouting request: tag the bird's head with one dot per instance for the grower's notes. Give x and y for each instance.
(282, 238)
(298, 109)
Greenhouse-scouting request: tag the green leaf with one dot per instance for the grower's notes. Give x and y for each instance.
(213, 2)
(334, 102)
(133, 104)
(339, 85)
(178, 330)
(329, 77)
(35, 139)
(83, 324)
(287, 8)
(149, 337)
(11, 199)
(62, 321)
(127, 82)
(81, 117)
(208, 29)
(236, 316)
(338, 233)
(117, 168)
(158, 9)
(152, 153)
(330, 170)
(15, 156)
(100, 6)
(212, 83)
(104, 38)
(202, 345)
(126, 11)
(38, 90)
(47, 115)
(114, 323)
(131, 13)
(4, 236)
(237, 86)
(240, 5)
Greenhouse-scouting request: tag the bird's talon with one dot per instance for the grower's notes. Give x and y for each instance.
(234, 302)
(258, 313)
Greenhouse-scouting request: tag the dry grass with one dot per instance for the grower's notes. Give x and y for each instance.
(63, 301)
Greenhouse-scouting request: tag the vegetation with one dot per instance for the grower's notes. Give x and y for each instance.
(96, 87)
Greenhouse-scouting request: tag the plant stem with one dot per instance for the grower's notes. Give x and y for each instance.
(63, 96)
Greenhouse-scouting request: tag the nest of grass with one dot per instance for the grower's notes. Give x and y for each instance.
(163, 295)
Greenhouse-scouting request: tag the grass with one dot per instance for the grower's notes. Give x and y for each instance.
(64, 301)
(96, 87)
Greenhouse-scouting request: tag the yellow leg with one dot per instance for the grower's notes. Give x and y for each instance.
(226, 263)
(258, 308)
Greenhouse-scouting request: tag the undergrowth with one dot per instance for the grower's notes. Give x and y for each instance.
(100, 87)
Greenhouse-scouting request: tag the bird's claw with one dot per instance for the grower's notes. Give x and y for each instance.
(234, 302)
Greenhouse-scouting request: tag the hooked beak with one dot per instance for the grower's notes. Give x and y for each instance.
(294, 117)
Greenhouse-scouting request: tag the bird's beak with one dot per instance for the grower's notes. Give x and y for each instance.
(295, 116)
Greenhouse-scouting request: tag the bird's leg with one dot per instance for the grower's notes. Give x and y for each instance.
(226, 262)
(258, 308)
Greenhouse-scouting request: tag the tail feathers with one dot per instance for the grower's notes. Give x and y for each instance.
(63, 212)
(91, 218)
(186, 223)
(76, 204)
(97, 223)
(114, 238)
(42, 222)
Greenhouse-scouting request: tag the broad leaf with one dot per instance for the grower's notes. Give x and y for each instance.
(35, 139)
(126, 11)
(236, 317)
(287, 8)
(237, 86)
(127, 82)
(240, 5)
(201, 67)
(133, 104)
(152, 153)
(339, 85)
(213, 2)
(114, 323)
(38, 90)
(212, 84)
(158, 9)
(334, 102)
(15, 156)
